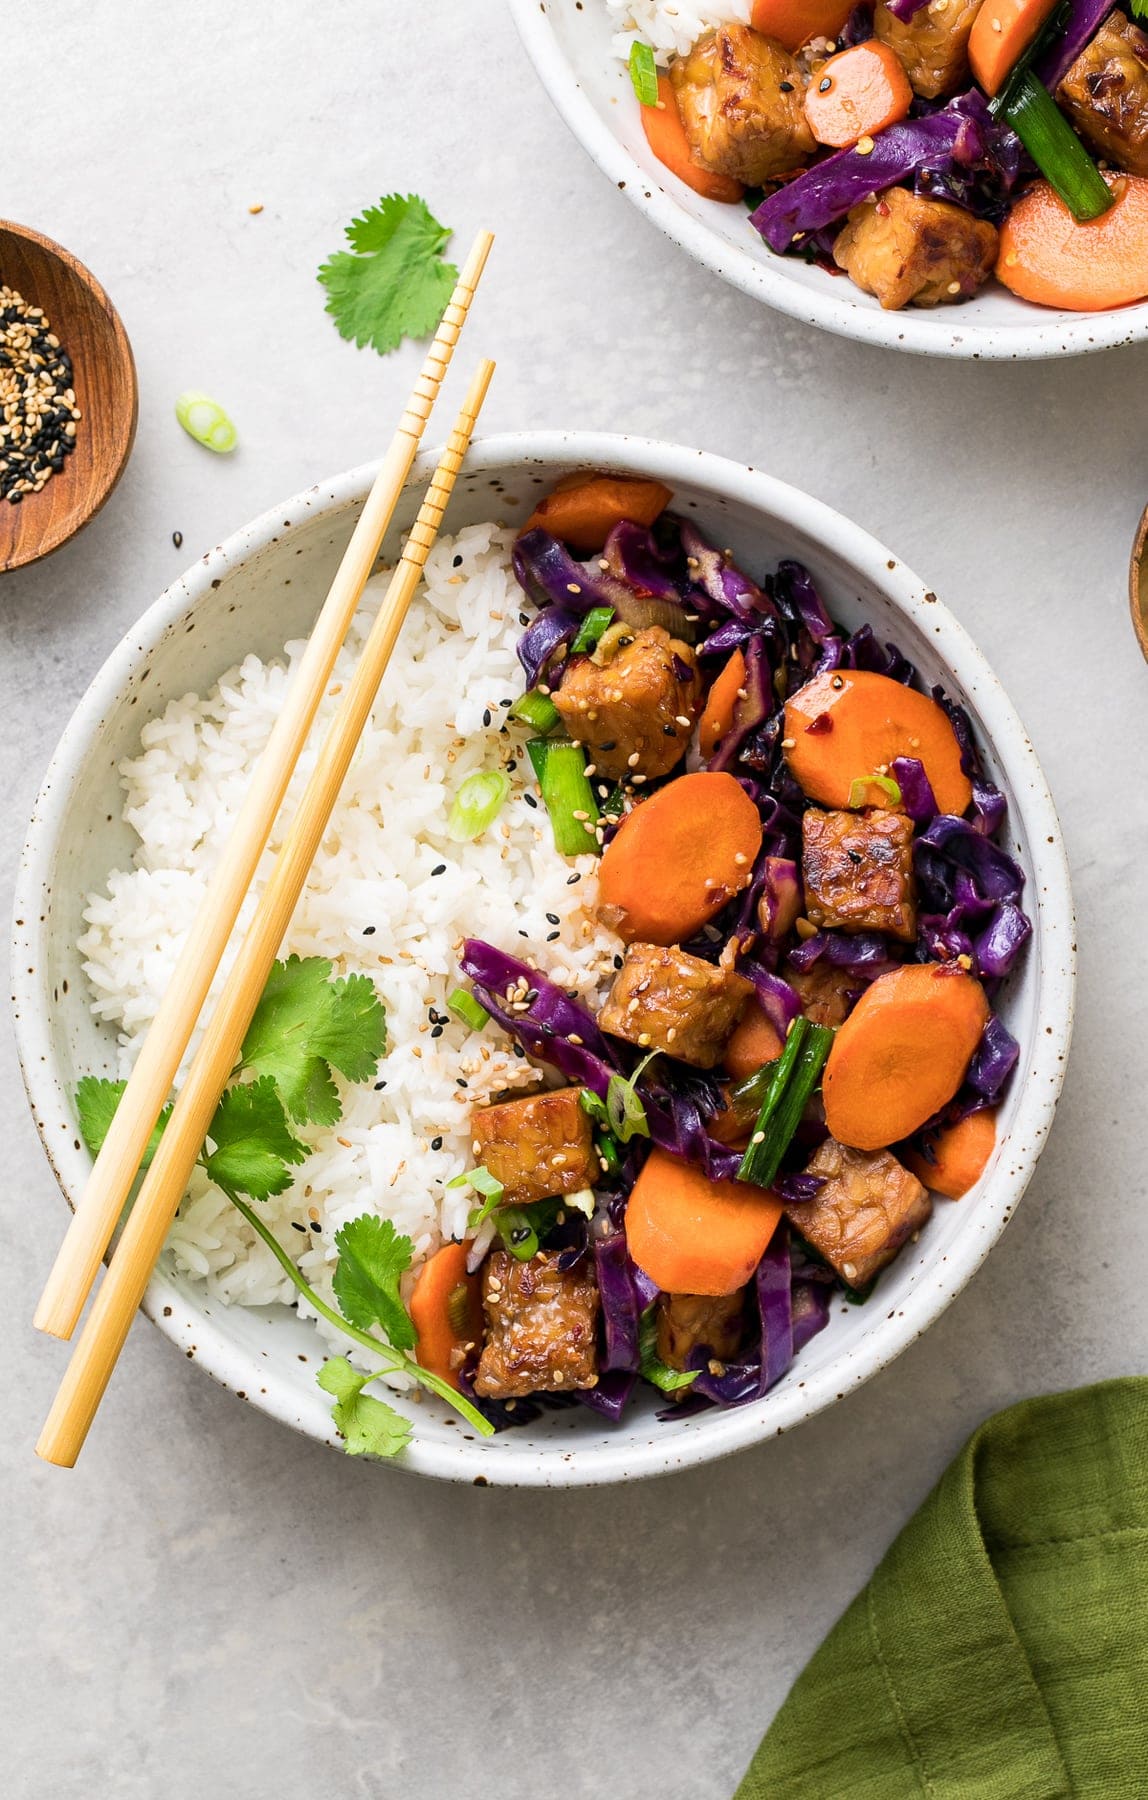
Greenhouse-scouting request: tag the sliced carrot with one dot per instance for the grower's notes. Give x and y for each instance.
(446, 1311)
(847, 724)
(902, 1053)
(1047, 257)
(678, 857)
(717, 716)
(755, 1043)
(794, 22)
(1002, 32)
(858, 92)
(960, 1154)
(666, 136)
(692, 1235)
(583, 510)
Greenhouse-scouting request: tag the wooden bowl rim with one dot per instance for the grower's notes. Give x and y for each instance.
(102, 488)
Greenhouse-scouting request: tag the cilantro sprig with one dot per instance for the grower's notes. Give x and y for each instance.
(393, 282)
(306, 1027)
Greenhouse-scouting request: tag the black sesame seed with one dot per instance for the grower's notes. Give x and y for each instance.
(506, 703)
(436, 1143)
(612, 745)
(571, 879)
(176, 536)
(617, 962)
(379, 1086)
(369, 930)
(786, 87)
(530, 801)
(295, 1226)
(486, 716)
(440, 869)
(315, 1225)
(437, 1031)
(456, 562)
(824, 85)
(552, 918)
(553, 936)
(511, 766)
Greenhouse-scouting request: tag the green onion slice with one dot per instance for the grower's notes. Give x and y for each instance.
(205, 420)
(795, 1076)
(859, 791)
(536, 710)
(591, 629)
(477, 804)
(1056, 150)
(464, 1006)
(644, 73)
(560, 766)
(625, 1113)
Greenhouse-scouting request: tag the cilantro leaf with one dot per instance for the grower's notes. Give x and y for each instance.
(392, 283)
(254, 1147)
(96, 1103)
(651, 1365)
(372, 1259)
(304, 1025)
(370, 1427)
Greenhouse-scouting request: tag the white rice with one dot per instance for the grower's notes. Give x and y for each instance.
(670, 27)
(374, 903)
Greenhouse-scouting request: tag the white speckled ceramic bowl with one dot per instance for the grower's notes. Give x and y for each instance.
(264, 585)
(569, 44)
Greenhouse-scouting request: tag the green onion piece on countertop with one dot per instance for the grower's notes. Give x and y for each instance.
(591, 629)
(1056, 150)
(644, 73)
(860, 789)
(477, 804)
(796, 1074)
(560, 766)
(464, 1006)
(205, 420)
(536, 710)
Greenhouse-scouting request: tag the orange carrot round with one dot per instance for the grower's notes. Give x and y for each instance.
(692, 1235)
(1002, 32)
(678, 857)
(717, 715)
(902, 1053)
(960, 1152)
(666, 136)
(858, 92)
(446, 1311)
(755, 1042)
(794, 22)
(847, 724)
(583, 509)
(1047, 257)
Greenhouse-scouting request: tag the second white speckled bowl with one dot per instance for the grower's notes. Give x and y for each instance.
(263, 586)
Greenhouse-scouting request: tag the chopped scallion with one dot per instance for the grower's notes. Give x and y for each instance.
(652, 1367)
(464, 1006)
(591, 629)
(858, 793)
(560, 766)
(795, 1076)
(477, 804)
(205, 420)
(1056, 150)
(644, 73)
(536, 710)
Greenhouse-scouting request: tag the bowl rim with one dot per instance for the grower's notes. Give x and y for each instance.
(100, 492)
(923, 333)
(193, 1329)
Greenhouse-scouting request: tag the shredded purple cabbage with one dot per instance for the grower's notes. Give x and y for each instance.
(916, 789)
(756, 1371)
(550, 1017)
(621, 1308)
(1084, 21)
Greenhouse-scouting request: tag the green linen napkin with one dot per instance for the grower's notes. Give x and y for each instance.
(1000, 1651)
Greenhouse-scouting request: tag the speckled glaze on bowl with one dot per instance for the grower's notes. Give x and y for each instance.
(569, 43)
(263, 586)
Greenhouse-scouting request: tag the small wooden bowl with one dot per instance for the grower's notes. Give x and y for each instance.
(104, 374)
(1138, 586)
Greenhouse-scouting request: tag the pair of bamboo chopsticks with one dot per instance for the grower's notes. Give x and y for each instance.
(117, 1164)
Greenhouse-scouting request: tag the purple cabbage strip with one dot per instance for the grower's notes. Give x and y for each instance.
(989, 804)
(752, 712)
(778, 1001)
(996, 949)
(859, 26)
(1084, 21)
(994, 1060)
(610, 1396)
(828, 190)
(635, 557)
(810, 1311)
(864, 954)
(545, 1027)
(798, 1187)
(950, 846)
(554, 625)
(905, 10)
(715, 578)
(800, 603)
(916, 789)
(549, 575)
(621, 1310)
(753, 1375)
(780, 896)
(970, 890)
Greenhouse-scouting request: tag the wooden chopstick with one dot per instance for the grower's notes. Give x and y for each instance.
(117, 1164)
(142, 1239)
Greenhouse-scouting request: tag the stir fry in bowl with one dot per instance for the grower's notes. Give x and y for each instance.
(922, 147)
(798, 1045)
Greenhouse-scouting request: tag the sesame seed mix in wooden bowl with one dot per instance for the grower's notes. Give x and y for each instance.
(68, 398)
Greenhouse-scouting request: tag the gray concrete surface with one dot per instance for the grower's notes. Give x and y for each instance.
(208, 1606)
